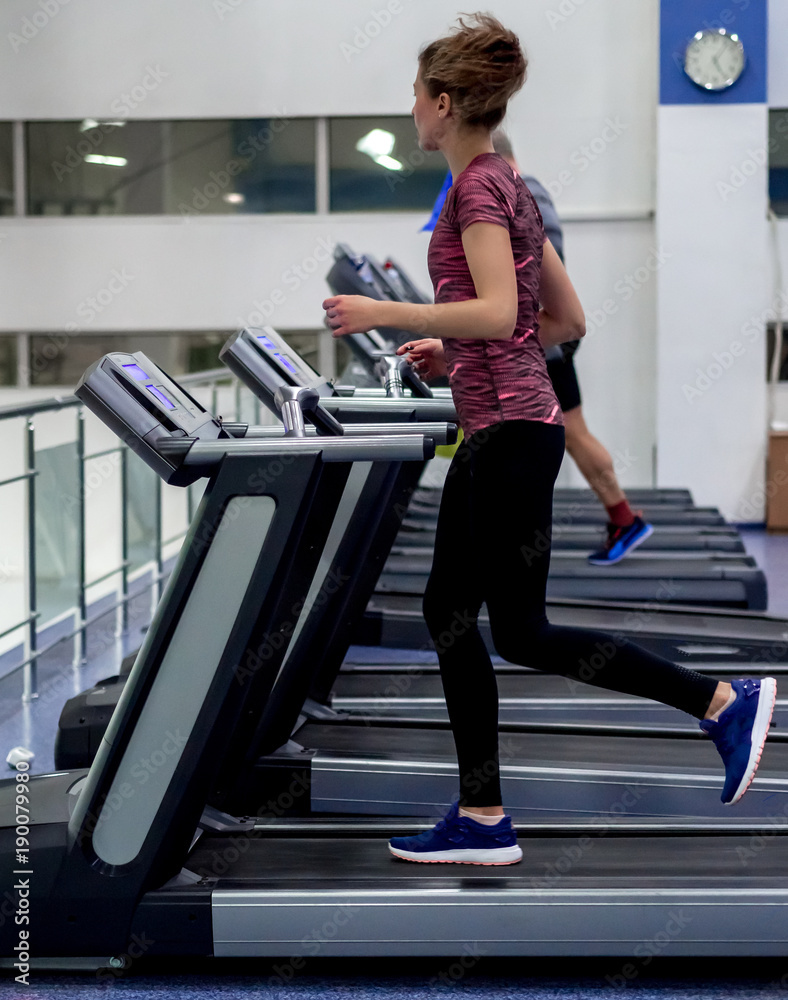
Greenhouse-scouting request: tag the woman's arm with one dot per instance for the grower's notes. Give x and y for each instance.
(492, 315)
(561, 317)
(426, 357)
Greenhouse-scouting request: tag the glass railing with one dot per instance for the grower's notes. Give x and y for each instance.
(86, 525)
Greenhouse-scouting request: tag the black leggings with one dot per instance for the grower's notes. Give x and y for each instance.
(492, 545)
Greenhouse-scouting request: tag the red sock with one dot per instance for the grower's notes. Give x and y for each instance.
(621, 515)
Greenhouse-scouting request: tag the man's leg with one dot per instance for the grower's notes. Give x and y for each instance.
(592, 458)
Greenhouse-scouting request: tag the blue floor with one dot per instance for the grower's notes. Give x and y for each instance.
(357, 979)
(33, 726)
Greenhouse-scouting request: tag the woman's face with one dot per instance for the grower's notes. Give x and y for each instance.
(428, 113)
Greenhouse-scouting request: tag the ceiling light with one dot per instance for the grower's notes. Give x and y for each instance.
(388, 162)
(89, 123)
(110, 161)
(378, 142)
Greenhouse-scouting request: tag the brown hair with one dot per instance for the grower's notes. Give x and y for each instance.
(480, 65)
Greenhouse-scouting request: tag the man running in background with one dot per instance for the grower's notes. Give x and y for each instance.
(625, 530)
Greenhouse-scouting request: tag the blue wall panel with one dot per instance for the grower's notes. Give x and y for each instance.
(680, 19)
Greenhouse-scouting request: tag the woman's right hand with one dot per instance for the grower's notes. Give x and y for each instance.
(426, 357)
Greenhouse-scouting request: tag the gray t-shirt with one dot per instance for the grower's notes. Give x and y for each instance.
(552, 224)
(554, 233)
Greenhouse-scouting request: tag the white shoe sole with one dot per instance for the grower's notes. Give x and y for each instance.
(630, 550)
(760, 728)
(494, 856)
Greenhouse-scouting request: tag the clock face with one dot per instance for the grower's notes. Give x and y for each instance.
(714, 60)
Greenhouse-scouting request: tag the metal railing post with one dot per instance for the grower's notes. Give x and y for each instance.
(30, 683)
(124, 540)
(81, 636)
(159, 588)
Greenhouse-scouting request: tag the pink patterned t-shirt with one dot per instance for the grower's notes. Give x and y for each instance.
(494, 380)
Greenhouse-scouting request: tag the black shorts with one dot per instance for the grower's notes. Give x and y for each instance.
(564, 378)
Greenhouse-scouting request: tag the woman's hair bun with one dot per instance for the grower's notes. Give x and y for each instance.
(481, 65)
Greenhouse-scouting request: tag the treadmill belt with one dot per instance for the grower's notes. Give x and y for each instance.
(683, 754)
(620, 861)
(699, 637)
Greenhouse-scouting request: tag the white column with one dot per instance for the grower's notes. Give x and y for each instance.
(714, 295)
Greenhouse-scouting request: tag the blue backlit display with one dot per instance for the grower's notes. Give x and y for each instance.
(136, 372)
(162, 398)
(267, 342)
(287, 363)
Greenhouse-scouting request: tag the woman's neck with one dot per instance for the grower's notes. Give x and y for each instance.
(461, 149)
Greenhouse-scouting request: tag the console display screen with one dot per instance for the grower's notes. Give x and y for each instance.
(136, 372)
(162, 397)
(287, 363)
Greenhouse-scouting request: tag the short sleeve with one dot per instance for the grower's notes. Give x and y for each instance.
(480, 199)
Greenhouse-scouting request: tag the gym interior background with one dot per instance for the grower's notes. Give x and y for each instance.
(170, 173)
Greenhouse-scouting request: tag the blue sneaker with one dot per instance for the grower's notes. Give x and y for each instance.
(461, 840)
(740, 733)
(620, 542)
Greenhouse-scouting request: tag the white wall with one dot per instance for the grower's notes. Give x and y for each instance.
(778, 53)
(778, 98)
(584, 125)
(712, 295)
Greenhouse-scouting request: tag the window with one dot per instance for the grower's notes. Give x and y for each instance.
(59, 359)
(778, 161)
(376, 165)
(7, 360)
(6, 169)
(177, 168)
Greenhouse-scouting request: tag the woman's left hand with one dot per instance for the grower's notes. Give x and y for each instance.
(350, 314)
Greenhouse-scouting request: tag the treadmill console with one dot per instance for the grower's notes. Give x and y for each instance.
(147, 409)
(355, 274)
(399, 282)
(264, 361)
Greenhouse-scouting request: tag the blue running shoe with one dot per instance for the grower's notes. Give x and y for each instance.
(740, 733)
(461, 840)
(620, 542)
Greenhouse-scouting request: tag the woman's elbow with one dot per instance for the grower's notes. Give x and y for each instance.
(504, 325)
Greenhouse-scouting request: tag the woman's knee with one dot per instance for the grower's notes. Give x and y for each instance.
(518, 642)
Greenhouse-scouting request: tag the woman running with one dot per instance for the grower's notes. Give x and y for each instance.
(501, 292)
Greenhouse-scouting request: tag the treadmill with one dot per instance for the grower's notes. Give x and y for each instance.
(110, 856)
(387, 762)
(264, 361)
(727, 579)
(697, 635)
(683, 527)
